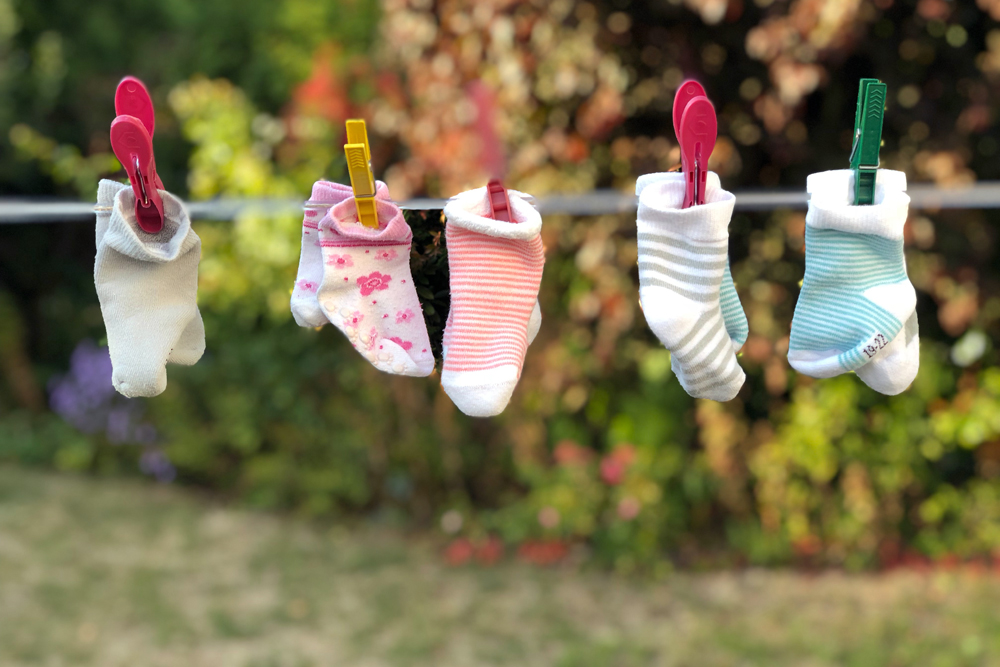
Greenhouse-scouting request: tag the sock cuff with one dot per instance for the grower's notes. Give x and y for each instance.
(330, 193)
(327, 192)
(660, 201)
(125, 236)
(468, 210)
(106, 191)
(831, 194)
(341, 223)
(644, 181)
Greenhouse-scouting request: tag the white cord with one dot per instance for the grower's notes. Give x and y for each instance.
(983, 195)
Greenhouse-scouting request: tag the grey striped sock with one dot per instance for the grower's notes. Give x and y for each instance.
(683, 257)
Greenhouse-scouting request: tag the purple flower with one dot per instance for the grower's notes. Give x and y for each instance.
(86, 399)
(155, 463)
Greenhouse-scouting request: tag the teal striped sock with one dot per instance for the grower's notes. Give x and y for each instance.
(855, 295)
(732, 310)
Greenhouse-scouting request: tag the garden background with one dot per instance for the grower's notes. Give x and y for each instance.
(601, 458)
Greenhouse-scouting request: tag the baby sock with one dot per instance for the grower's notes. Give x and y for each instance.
(534, 326)
(476, 201)
(305, 304)
(683, 255)
(856, 297)
(896, 367)
(495, 273)
(367, 291)
(147, 285)
(729, 300)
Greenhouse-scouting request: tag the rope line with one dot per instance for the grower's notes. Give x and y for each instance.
(983, 195)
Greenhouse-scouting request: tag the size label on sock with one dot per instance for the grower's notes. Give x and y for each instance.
(877, 343)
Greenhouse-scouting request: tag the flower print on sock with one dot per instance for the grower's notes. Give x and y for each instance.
(371, 339)
(307, 285)
(404, 316)
(340, 261)
(405, 344)
(354, 319)
(373, 281)
(386, 255)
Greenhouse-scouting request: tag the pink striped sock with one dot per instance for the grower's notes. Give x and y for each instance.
(496, 270)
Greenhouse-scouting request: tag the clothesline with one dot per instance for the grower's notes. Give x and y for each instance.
(982, 195)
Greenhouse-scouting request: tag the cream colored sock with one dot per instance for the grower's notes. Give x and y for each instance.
(148, 287)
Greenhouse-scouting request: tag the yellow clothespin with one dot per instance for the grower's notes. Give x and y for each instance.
(359, 156)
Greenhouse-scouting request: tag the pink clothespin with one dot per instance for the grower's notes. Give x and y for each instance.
(499, 202)
(697, 129)
(132, 99)
(132, 143)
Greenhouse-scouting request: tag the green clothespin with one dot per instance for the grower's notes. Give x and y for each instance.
(867, 139)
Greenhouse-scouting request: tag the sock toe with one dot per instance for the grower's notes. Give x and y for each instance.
(141, 382)
(481, 393)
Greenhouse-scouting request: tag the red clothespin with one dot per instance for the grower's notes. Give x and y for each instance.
(697, 129)
(132, 99)
(132, 144)
(499, 202)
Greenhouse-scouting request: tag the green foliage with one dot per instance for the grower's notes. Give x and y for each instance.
(429, 266)
(600, 446)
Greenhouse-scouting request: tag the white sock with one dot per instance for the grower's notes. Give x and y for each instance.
(683, 255)
(304, 303)
(147, 285)
(896, 367)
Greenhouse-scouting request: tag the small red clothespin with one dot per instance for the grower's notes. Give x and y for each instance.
(499, 202)
(132, 99)
(697, 128)
(132, 143)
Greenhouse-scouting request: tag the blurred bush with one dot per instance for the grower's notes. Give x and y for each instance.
(600, 446)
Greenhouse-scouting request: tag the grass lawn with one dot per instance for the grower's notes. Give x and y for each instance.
(112, 573)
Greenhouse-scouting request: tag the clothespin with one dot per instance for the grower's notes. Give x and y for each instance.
(867, 139)
(359, 165)
(697, 128)
(132, 143)
(499, 202)
(132, 99)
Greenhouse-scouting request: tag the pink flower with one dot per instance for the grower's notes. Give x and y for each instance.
(404, 316)
(628, 508)
(307, 285)
(616, 464)
(354, 320)
(372, 282)
(385, 255)
(548, 517)
(340, 261)
(405, 344)
(567, 453)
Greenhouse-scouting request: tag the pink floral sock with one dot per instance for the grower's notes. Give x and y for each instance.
(305, 304)
(496, 270)
(367, 290)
